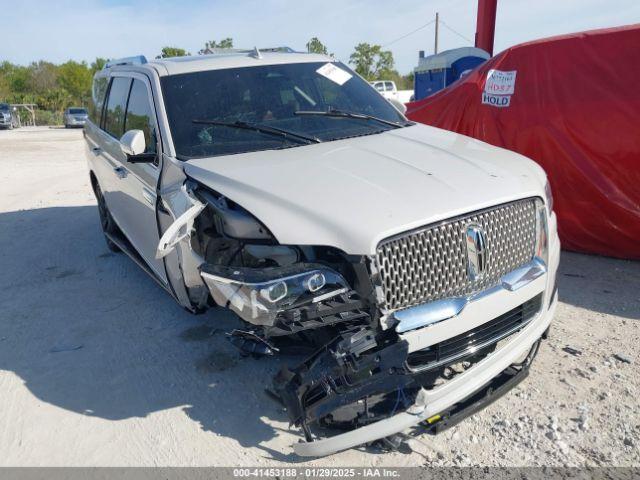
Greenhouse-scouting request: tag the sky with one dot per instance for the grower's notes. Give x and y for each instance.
(60, 30)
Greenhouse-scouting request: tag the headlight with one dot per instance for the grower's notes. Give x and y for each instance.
(258, 295)
(549, 196)
(542, 232)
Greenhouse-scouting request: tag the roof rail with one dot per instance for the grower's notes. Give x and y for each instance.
(251, 51)
(137, 60)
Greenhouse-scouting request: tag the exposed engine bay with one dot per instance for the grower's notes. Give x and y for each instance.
(316, 301)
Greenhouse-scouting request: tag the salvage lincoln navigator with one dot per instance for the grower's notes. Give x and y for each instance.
(416, 266)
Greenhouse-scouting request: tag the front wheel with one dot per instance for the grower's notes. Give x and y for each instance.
(106, 220)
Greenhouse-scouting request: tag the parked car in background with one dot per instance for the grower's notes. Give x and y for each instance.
(8, 119)
(75, 117)
(416, 267)
(388, 90)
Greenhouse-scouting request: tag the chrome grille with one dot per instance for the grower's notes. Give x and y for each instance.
(431, 263)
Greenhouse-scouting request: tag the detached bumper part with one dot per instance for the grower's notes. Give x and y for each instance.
(432, 402)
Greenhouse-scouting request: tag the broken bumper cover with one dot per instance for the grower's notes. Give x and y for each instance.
(432, 402)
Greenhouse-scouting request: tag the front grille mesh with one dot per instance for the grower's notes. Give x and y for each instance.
(431, 263)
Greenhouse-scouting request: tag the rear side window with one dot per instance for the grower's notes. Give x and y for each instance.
(116, 106)
(140, 115)
(98, 93)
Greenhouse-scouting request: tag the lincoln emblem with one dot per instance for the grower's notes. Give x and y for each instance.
(477, 253)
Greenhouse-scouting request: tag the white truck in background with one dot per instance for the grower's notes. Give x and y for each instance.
(388, 90)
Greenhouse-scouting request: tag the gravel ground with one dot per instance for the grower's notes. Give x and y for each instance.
(100, 367)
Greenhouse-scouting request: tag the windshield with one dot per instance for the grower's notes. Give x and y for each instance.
(270, 96)
(77, 111)
(4, 106)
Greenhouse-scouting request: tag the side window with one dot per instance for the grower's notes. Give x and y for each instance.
(140, 115)
(98, 93)
(116, 106)
(388, 86)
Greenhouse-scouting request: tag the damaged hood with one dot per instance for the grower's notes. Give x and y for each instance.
(353, 193)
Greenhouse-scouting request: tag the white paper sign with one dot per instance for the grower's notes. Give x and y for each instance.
(334, 73)
(496, 100)
(500, 82)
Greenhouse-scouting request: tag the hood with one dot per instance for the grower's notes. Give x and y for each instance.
(353, 193)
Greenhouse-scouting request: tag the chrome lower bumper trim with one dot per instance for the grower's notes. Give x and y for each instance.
(440, 310)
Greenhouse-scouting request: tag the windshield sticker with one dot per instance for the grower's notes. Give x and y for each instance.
(500, 82)
(335, 74)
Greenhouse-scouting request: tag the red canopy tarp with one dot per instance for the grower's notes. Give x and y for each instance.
(574, 108)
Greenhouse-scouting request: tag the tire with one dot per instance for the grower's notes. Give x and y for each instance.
(106, 220)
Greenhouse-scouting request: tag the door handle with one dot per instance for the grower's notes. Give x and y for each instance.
(121, 172)
(96, 150)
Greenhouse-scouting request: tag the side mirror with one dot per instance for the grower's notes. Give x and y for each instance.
(401, 107)
(132, 142)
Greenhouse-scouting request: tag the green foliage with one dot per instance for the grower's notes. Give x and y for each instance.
(316, 46)
(43, 77)
(211, 45)
(45, 117)
(371, 62)
(51, 87)
(168, 52)
(98, 64)
(76, 79)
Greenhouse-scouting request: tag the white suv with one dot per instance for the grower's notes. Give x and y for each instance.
(415, 265)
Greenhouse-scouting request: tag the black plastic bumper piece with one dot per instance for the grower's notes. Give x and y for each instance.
(482, 398)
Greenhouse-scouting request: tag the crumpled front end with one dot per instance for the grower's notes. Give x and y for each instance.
(411, 334)
(433, 363)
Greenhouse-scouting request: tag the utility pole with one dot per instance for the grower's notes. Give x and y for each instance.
(435, 48)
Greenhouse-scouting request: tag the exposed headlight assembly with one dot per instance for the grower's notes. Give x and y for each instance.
(258, 295)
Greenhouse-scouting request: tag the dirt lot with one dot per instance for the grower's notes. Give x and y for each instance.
(98, 366)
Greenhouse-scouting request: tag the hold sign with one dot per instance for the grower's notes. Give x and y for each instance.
(496, 100)
(499, 87)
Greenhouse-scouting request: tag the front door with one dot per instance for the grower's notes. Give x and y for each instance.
(132, 198)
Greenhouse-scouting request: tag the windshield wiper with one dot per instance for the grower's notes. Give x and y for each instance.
(277, 132)
(341, 114)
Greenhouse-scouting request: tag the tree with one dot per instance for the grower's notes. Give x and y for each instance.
(316, 46)
(43, 77)
(371, 61)
(55, 100)
(76, 79)
(225, 43)
(98, 64)
(168, 52)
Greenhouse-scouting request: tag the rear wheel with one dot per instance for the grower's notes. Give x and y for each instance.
(106, 220)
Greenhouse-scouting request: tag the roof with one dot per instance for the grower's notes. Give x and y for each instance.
(218, 61)
(446, 58)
